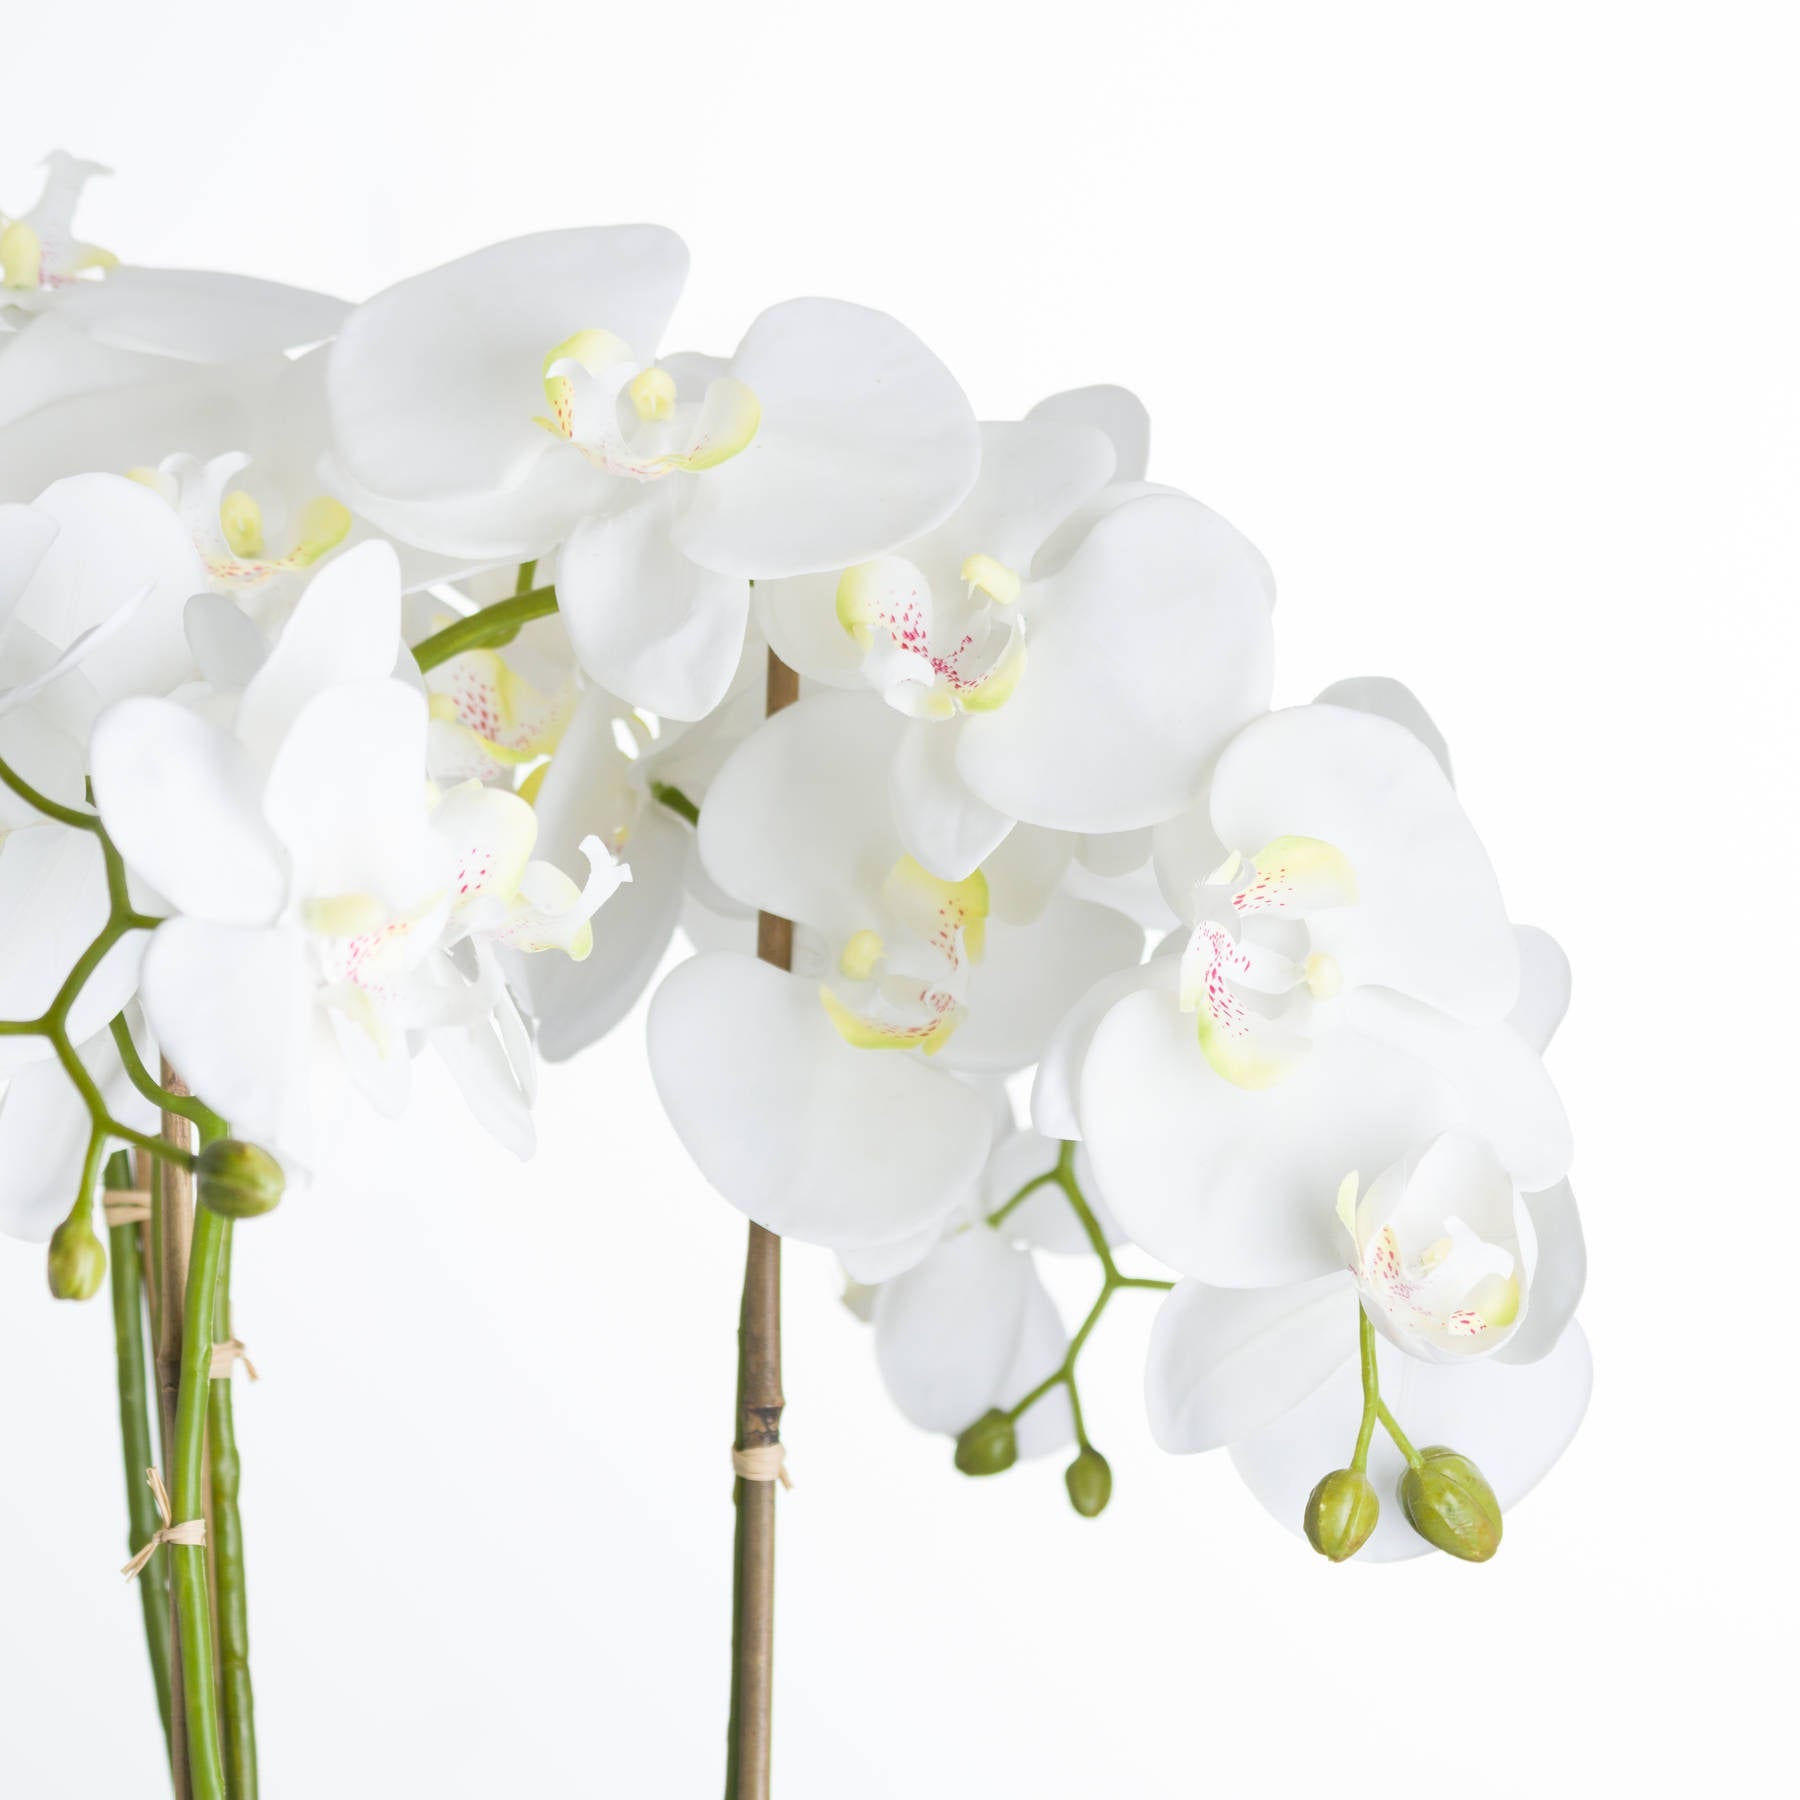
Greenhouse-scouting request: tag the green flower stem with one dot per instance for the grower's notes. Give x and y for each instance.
(1401, 1443)
(1371, 1386)
(226, 1535)
(134, 1437)
(1374, 1407)
(485, 630)
(675, 800)
(193, 1605)
(184, 1106)
(1063, 1175)
(51, 809)
(53, 1024)
(526, 576)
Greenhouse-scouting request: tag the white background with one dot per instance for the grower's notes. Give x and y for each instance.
(1484, 323)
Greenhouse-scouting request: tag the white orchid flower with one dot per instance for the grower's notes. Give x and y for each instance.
(823, 1102)
(321, 885)
(513, 400)
(39, 252)
(1472, 1288)
(632, 781)
(95, 572)
(1345, 864)
(497, 714)
(233, 448)
(796, 825)
(1073, 645)
(194, 315)
(1343, 999)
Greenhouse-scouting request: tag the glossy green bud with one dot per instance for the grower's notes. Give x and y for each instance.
(77, 1259)
(238, 1180)
(1341, 1512)
(989, 1446)
(1448, 1502)
(1089, 1481)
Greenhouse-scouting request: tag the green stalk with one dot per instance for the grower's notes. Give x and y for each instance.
(227, 1536)
(134, 1437)
(485, 630)
(193, 1605)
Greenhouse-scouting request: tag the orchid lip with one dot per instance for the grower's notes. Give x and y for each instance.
(628, 418)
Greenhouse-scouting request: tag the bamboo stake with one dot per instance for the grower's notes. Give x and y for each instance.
(759, 1406)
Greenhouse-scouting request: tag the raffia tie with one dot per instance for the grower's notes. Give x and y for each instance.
(126, 1206)
(762, 1462)
(226, 1356)
(191, 1532)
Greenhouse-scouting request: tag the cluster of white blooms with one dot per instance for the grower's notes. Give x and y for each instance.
(410, 656)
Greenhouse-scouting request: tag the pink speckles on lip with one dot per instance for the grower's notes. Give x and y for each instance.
(1216, 955)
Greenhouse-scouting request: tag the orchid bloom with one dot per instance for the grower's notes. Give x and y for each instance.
(39, 252)
(1472, 1288)
(1355, 981)
(1073, 646)
(95, 572)
(826, 1102)
(632, 781)
(499, 713)
(330, 903)
(194, 315)
(514, 400)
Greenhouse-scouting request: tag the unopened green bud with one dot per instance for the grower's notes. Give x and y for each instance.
(1340, 1514)
(238, 1180)
(989, 1446)
(1448, 1503)
(77, 1259)
(1089, 1481)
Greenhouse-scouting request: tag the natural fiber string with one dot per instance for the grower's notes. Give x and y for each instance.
(191, 1532)
(764, 1462)
(226, 1355)
(126, 1206)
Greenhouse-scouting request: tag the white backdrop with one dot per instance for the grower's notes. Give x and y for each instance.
(1483, 323)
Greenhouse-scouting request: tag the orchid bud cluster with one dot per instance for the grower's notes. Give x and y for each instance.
(386, 680)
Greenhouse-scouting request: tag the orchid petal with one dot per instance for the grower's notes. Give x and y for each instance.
(647, 623)
(180, 799)
(1226, 1362)
(1387, 698)
(947, 1332)
(810, 1138)
(231, 1009)
(1235, 1185)
(1114, 410)
(435, 383)
(346, 627)
(1149, 648)
(199, 315)
(795, 822)
(865, 441)
(1558, 1279)
(1428, 919)
(115, 539)
(1031, 975)
(942, 824)
(1544, 984)
(1056, 1091)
